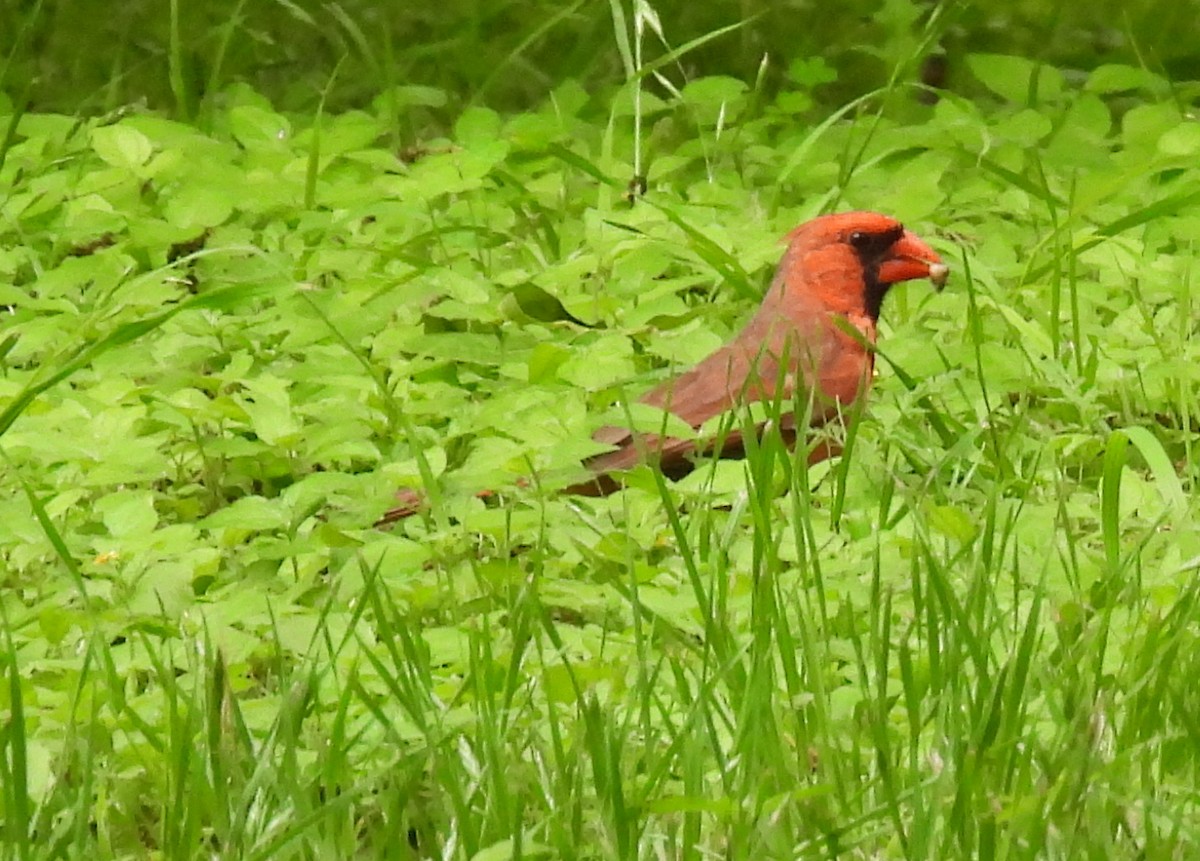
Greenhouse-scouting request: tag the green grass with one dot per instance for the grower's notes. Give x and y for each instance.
(425, 63)
(974, 635)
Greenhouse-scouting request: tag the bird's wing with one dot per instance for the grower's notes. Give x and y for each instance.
(743, 371)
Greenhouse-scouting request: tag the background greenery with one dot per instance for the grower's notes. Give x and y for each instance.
(262, 264)
(72, 55)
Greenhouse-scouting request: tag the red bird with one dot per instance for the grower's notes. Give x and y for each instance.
(815, 329)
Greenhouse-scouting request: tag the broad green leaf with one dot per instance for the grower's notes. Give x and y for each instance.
(258, 128)
(197, 206)
(251, 513)
(127, 512)
(1183, 140)
(122, 146)
(1016, 79)
(1115, 78)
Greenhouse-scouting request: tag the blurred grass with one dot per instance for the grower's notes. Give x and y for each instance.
(180, 56)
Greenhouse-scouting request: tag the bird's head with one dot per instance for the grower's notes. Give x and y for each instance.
(850, 260)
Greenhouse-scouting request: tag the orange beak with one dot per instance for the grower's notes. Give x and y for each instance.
(910, 258)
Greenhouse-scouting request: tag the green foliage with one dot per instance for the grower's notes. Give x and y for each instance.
(224, 350)
(437, 59)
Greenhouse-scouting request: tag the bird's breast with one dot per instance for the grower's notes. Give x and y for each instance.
(847, 360)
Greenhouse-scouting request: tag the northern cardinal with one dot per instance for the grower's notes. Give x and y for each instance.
(815, 328)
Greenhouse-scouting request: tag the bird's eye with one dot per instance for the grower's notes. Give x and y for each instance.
(859, 239)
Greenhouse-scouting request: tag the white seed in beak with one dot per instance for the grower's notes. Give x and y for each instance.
(938, 273)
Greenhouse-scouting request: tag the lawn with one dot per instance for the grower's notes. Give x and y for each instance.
(227, 342)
